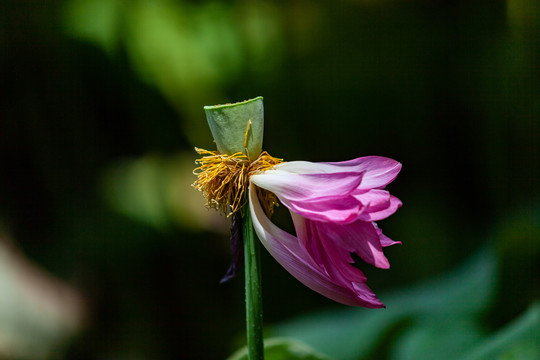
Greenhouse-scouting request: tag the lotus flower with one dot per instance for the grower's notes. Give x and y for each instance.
(334, 207)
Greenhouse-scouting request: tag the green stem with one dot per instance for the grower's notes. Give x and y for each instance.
(254, 316)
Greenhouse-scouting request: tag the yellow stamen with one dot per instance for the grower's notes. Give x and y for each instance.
(223, 179)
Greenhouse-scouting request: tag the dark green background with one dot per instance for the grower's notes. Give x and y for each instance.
(449, 88)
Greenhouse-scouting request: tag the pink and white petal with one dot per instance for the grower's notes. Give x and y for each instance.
(378, 171)
(288, 252)
(307, 187)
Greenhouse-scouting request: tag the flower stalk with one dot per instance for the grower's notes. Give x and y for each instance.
(254, 314)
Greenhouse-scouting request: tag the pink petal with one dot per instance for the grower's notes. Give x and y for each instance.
(385, 240)
(379, 204)
(378, 171)
(359, 237)
(286, 249)
(335, 258)
(343, 211)
(308, 237)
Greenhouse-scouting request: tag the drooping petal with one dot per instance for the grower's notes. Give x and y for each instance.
(378, 171)
(307, 187)
(342, 211)
(359, 237)
(319, 240)
(286, 249)
(315, 249)
(385, 240)
(379, 204)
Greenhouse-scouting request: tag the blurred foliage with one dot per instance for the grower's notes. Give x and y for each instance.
(147, 190)
(213, 42)
(442, 315)
(102, 106)
(282, 349)
(38, 313)
(518, 340)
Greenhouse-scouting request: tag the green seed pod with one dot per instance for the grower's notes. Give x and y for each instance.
(238, 127)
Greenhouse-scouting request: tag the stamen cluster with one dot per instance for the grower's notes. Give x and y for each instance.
(224, 179)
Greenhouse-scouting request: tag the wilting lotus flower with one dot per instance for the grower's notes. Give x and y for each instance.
(333, 205)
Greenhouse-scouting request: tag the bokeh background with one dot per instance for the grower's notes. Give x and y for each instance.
(106, 252)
